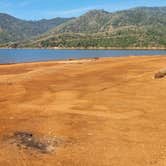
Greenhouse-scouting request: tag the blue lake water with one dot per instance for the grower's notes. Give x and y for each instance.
(34, 55)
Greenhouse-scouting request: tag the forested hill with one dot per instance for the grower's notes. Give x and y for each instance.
(14, 29)
(103, 21)
(137, 27)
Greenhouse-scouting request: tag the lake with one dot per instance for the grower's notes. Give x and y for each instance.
(35, 55)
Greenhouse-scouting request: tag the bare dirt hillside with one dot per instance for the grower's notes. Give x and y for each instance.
(99, 112)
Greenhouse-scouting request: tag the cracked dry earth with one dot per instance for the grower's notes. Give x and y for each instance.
(104, 112)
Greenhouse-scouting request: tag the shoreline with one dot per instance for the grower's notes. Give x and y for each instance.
(90, 48)
(77, 58)
(80, 60)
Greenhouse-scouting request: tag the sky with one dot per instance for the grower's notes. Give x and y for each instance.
(39, 9)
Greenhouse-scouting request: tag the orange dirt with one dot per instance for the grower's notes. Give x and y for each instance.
(109, 112)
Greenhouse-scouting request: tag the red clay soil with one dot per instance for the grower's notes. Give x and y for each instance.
(107, 112)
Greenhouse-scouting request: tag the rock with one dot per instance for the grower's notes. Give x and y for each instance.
(160, 74)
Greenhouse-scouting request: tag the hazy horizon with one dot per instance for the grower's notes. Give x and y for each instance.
(35, 10)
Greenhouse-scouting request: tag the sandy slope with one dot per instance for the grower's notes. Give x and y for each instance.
(108, 112)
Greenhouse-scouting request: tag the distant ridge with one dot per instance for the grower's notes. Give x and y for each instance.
(136, 27)
(14, 29)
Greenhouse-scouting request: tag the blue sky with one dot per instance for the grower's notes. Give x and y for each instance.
(38, 9)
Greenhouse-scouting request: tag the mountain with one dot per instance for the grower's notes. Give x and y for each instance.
(14, 29)
(101, 21)
(136, 27)
(92, 22)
